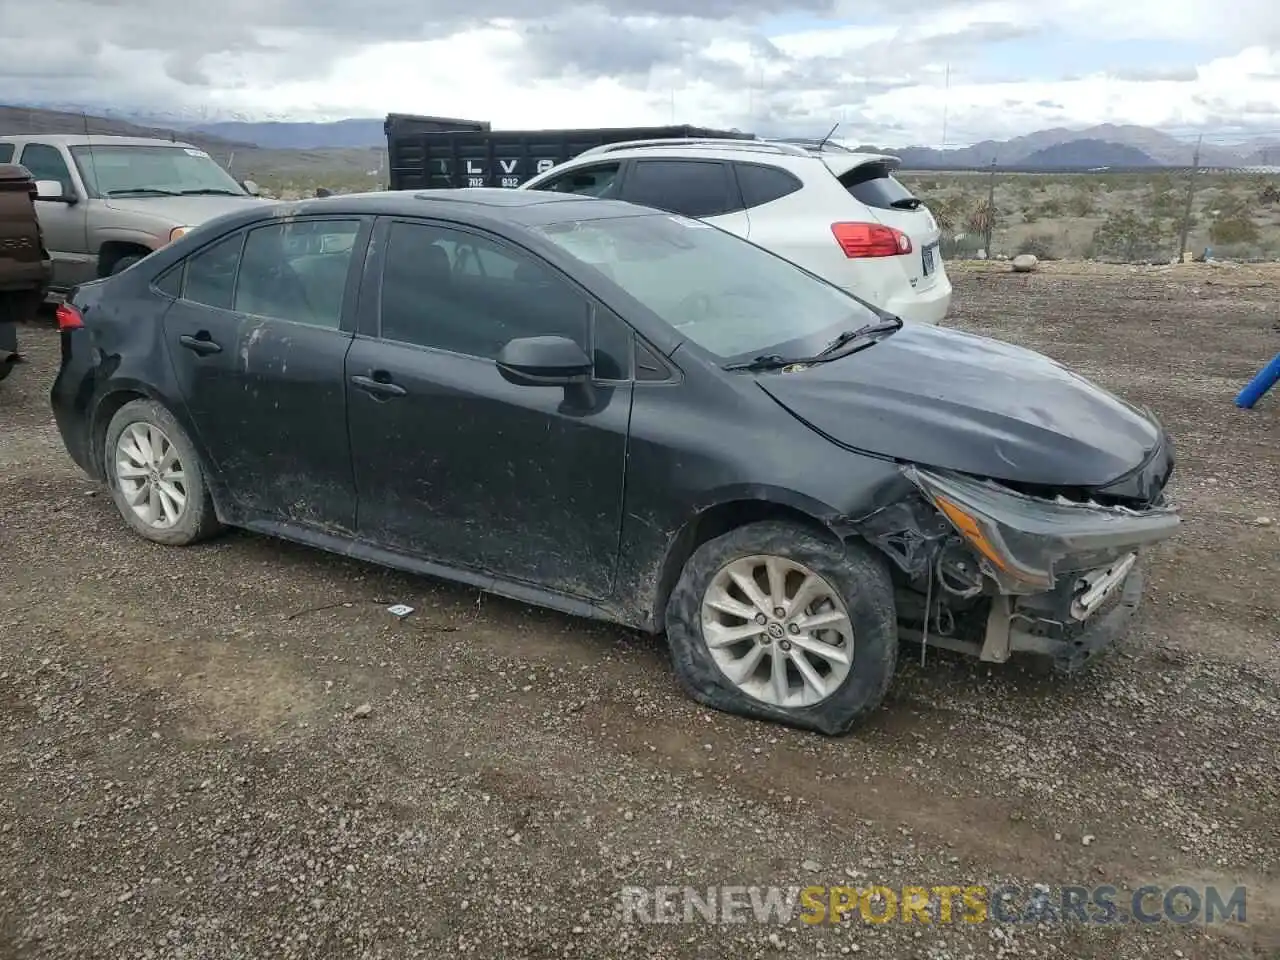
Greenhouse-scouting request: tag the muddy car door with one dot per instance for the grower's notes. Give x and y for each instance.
(459, 462)
(258, 335)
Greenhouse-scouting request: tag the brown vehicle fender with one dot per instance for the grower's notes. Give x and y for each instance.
(25, 267)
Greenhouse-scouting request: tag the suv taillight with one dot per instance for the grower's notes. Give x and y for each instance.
(870, 240)
(68, 317)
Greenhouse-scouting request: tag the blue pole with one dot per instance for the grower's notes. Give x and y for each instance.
(1264, 381)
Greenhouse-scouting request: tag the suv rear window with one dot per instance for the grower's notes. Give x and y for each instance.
(875, 186)
(762, 184)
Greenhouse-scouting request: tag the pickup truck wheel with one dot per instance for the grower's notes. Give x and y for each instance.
(124, 263)
(776, 622)
(155, 475)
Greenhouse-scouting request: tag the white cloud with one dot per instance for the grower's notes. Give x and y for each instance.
(589, 66)
(476, 74)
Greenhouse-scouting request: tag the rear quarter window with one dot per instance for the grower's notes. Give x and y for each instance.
(873, 185)
(761, 184)
(6, 152)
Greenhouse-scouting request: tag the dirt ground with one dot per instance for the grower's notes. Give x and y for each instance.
(183, 774)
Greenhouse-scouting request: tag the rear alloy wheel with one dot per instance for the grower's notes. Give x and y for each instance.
(776, 621)
(155, 476)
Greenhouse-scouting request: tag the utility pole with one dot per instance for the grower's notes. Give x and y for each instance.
(946, 104)
(1191, 196)
(991, 210)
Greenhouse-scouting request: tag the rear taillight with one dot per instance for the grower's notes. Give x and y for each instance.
(68, 317)
(870, 240)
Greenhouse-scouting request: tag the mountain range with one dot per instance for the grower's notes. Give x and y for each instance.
(1106, 145)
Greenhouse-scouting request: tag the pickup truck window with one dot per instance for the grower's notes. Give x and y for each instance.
(6, 152)
(45, 163)
(143, 170)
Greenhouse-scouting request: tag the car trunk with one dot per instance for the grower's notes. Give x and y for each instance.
(869, 179)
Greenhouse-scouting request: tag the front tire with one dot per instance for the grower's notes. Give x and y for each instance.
(776, 622)
(123, 264)
(155, 476)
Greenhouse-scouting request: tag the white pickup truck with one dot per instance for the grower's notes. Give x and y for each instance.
(106, 202)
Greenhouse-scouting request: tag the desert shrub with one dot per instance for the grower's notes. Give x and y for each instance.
(1050, 208)
(1269, 194)
(1043, 246)
(1082, 203)
(947, 211)
(1233, 229)
(1126, 236)
(1163, 200)
(982, 218)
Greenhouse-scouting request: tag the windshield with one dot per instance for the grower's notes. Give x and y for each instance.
(114, 170)
(730, 297)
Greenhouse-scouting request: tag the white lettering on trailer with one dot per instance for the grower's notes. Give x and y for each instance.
(545, 164)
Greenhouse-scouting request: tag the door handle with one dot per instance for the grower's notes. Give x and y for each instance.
(200, 344)
(378, 388)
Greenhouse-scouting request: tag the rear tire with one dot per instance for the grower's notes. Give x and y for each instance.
(156, 477)
(822, 660)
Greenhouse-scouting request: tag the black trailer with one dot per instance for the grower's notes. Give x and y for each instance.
(426, 159)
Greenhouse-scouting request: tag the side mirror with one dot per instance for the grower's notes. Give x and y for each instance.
(251, 188)
(544, 362)
(52, 190)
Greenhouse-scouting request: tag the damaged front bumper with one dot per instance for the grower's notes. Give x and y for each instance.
(1054, 577)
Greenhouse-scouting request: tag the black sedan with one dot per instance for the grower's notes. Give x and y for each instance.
(622, 414)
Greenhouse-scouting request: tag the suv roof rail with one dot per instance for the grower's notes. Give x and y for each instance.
(726, 143)
(814, 145)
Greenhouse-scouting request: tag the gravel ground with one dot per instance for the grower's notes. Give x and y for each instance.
(188, 767)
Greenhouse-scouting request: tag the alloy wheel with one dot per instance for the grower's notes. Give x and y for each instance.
(778, 631)
(150, 475)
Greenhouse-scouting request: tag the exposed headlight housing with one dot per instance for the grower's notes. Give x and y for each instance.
(1026, 542)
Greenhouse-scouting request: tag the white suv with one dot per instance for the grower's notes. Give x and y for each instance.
(839, 214)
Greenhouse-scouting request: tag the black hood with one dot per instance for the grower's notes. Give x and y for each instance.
(942, 398)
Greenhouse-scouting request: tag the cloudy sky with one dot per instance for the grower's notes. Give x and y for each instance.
(772, 66)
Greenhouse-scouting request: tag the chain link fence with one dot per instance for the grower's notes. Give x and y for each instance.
(1151, 216)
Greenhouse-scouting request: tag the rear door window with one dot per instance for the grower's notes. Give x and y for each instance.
(761, 183)
(595, 181)
(210, 275)
(874, 185)
(695, 188)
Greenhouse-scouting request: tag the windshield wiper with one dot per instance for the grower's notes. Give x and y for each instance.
(211, 192)
(770, 361)
(848, 336)
(906, 203)
(143, 192)
(774, 361)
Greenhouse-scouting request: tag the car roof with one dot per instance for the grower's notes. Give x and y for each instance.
(784, 153)
(478, 205)
(95, 140)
